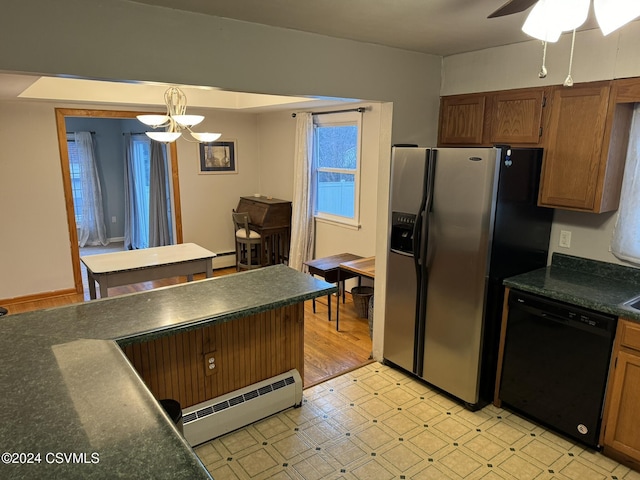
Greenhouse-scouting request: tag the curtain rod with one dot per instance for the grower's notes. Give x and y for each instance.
(134, 133)
(71, 133)
(359, 109)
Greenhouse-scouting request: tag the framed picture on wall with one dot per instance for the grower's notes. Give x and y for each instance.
(218, 157)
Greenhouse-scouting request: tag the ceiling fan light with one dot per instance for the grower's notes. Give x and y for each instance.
(166, 137)
(206, 137)
(537, 24)
(188, 120)
(567, 15)
(613, 14)
(153, 120)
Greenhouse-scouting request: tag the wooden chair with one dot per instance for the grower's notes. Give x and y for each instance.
(248, 243)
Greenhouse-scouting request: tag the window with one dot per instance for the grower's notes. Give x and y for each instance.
(76, 180)
(337, 167)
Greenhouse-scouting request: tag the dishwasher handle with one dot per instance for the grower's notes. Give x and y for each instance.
(566, 314)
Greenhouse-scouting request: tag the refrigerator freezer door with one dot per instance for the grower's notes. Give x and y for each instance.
(400, 311)
(408, 169)
(459, 241)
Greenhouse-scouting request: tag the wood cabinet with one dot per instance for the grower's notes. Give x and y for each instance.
(511, 117)
(516, 116)
(621, 422)
(585, 149)
(462, 120)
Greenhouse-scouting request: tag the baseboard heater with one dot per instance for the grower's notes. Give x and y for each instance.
(237, 409)
(224, 259)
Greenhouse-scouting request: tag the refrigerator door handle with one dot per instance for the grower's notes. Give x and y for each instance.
(421, 263)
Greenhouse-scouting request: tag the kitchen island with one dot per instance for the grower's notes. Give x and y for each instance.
(72, 404)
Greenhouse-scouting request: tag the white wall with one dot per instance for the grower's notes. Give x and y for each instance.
(516, 66)
(207, 199)
(34, 244)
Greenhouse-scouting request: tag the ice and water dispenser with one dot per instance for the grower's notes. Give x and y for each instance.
(402, 232)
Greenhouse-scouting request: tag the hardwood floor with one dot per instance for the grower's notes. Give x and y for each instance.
(327, 353)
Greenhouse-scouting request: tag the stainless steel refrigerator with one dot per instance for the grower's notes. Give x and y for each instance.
(462, 220)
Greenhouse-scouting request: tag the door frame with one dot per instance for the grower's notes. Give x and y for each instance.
(61, 115)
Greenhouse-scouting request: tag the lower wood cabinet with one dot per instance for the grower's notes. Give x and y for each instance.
(621, 422)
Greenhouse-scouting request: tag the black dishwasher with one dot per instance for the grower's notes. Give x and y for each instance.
(556, 362)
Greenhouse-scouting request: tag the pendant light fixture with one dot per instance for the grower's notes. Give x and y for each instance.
(176, 120)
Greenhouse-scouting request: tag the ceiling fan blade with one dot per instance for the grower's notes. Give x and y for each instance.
(512, 6)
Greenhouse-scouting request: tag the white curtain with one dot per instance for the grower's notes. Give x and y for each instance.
(626, 235)
(302, 222)
(91, 228)
(136, 195)
(159, 213)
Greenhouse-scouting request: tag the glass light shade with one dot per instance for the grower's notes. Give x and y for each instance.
(153, 120)
(166, 137)
(188, 120)
(206, 137)
(549, 18)
(613, 14)
(537, 24)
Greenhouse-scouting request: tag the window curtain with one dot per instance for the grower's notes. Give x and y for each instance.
(302, 222)
(159, 214)
(136, 195)
(91, 230)
(626, 235)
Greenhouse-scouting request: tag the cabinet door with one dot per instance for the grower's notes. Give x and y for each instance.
(623, 418)
(462, 120)
(573, 151)
(516, 117)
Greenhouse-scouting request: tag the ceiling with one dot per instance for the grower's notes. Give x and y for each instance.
(439, 27)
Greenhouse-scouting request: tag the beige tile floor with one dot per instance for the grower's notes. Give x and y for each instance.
(377, 423)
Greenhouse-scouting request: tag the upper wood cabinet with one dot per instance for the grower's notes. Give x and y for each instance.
(584, 149)
(516, 116)
(510, 117)
(462, 120)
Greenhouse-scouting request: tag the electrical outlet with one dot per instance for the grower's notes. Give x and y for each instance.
(113, 219)
(210, 366)
(565, 239)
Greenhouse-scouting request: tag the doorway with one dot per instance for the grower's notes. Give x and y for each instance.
(61, 116)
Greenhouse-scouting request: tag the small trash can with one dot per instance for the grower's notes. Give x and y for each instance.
(174, 410)
(3, 311)
(361, 296)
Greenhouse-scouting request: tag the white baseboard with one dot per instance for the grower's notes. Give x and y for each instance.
(116, 239)
(224, 260)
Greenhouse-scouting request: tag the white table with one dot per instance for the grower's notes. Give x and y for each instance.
(135, 266)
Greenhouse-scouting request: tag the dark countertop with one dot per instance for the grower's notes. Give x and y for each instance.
(68, 388)
(592, 284)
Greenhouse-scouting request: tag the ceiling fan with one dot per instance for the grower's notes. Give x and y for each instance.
(511, 7)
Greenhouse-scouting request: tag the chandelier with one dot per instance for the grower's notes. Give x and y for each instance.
(176, 120)
(549, 18)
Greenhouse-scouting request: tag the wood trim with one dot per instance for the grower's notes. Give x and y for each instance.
(246, 351)
(38, 296)
(503, 334)
(61, 114)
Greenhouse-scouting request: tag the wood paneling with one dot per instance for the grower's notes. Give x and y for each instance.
(246, 351)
